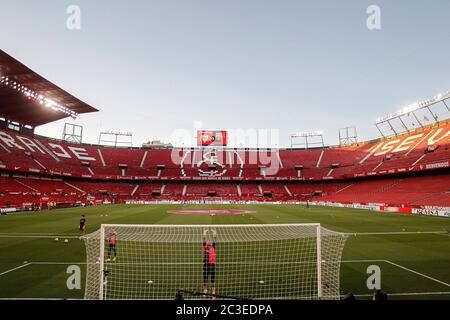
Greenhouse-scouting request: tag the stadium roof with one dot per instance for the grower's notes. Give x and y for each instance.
(29, 99)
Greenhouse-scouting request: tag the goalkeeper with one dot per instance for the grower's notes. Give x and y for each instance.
(209, 262)
(112, 240)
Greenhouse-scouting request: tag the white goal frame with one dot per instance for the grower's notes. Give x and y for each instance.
(101, 235)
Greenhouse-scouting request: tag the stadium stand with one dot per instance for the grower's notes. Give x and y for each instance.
(409, 169)
(411, 191)
(49, 167)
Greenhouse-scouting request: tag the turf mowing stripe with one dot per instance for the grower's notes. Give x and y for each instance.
(16, 268)
(347, 233)
(418, 273)
(342, 296)
(201, 263)
(358, 261)
(405, 294)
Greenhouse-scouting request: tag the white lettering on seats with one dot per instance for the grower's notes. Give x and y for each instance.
(9, 141)
(432, 140)
(370, 153)
(405, 144)
(30, 144)
(81, 154)
(62, 154)
(387, 147)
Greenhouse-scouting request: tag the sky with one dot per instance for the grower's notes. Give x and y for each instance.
(158, 68)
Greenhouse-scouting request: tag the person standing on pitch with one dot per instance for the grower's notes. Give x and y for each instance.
(209, 262)
(112, 240)
(82, 225)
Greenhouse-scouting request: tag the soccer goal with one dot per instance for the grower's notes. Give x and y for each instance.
(270, 261)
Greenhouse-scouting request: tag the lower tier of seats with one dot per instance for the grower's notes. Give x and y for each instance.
(416, 191)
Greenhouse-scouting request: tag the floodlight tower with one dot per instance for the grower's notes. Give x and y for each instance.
(347, 136)
(307, 139)
(409, 115)
(73, 133)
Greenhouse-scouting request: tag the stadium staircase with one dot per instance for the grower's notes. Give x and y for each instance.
(74, 187)
(134, 190)
(26, 185)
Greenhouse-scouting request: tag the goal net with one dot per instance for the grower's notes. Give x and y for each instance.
(295, 261)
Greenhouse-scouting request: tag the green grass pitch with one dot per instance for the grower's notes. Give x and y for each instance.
(413, 252)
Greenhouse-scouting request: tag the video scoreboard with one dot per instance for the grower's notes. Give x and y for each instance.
(211, 138)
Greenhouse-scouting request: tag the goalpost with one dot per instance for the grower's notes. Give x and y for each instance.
(254, 261)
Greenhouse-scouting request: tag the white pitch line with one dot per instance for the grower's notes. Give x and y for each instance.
(36, 233)
(394, 233)
(356, 295)
(199, 263)
(38, 299)
(58, 263)
(357, 261)
(239, 263)
(418, 273)
(39, 237)
(16, 268)
(401, 267)
(73, 236)
(406, 294)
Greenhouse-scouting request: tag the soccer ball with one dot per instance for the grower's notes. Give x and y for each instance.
(149, 281)
(66, 240)
(56, 239)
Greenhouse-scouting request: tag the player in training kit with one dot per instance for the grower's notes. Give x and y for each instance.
(209, 262)
(82, 225)
(112, 240)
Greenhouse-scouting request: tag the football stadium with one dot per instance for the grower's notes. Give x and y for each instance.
(361, 219)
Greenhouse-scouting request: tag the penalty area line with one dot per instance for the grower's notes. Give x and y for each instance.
(401, 267)
(36, 233)
(406, 294)
(418, 273)
(38, 299)
(16, 268)
(39, 236)
(394, 233)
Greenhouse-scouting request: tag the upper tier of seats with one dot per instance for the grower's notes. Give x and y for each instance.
(419, 150)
